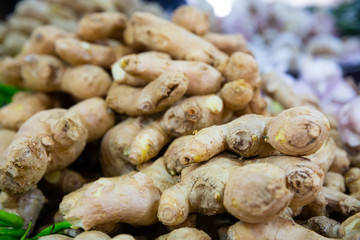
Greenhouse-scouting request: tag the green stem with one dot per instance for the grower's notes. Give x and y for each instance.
(7, 238)
(27, 232)
(12, 232)
(11, 219)
(55, 228)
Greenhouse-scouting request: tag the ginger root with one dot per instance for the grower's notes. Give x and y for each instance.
(185, 16)
(352, 180)
(185, 233)
(303, 177)
(78, 52)
(6, 137)
(23, 106)
(203, 78)
(66, 180)
(145, 30)
(10, 71)
(236, 94)
(132, 198)
(210, 188)
(335, 181)
(297, 131)
(154, 97)
(97, 26)
(228, 43)
(51, 140)
(324, 226)
(115, 147)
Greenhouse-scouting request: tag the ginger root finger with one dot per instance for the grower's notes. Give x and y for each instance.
(352, 180)
(115, 147)
(10, 71)
(171, 156)
(97, 26)
(6, 137)
(335, 181)
(148, 31)
(154, 97)
(185, 16)
(67, 180)
(228, 43)
(304, 178)
(78, 52)
(132, 198)
(257, 192)
(185, 233)
(192, 114)
(236, 94)
(86, 81)
(203, 78)
(23, 106)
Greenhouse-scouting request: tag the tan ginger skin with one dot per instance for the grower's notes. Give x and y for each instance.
(78, 52)
(203, 78)
(22, 107)
(335, 181)
(277, 228)
(297, 131)
(236, 94)
(228, 43)
(303, 177)
(185, 233)
(115, 147)
(51, 140)
(243, 66)
(10, 71)
(350, 226)
(42, 40)
(66, 180)
(97, 26)
(325, 156)
(217, 180)
(171, 156)
(184, 118)
(352, 180)
(340, 202)
(145, 30)
(6, 137)
(27, 206)
(341, 161)
(154, 97)
(132, 198)
(47, 73)
(88, 235)
(185, 16)
(324, 226)
(22, 24)
(120, 76)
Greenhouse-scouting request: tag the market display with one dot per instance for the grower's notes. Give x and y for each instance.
(129, 126)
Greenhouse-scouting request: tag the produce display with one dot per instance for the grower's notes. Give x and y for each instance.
(129, 126)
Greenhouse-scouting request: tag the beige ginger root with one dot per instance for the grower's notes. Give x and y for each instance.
(185, 16)
(236, 94)
(350, 226)
(115, 147)
(297, 131)
(66, 180)
(171, 156)
(148, 143)
(192, 114)
(6, 137)
(86, 81)
(277, 228)
(303, 177)
(42, 40)
(325, 156)
(97, 26)
(207, 188)
(154, 97)
(352, 181)
(228, 43)
(185, 233)
(324, 226)
(341, 161)
(27, 206)
(335, 181)
(340, 202)
(203, 78)
(22, 107)
(78, 52)
(132, 198)
(243, 66)
(47, 73)
(22, 24)
(10, 71)
(51, 140)
(148, 31)
(257, 192)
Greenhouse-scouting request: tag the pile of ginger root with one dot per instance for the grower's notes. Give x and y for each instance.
(136, 127)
